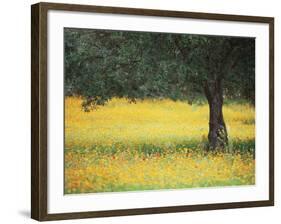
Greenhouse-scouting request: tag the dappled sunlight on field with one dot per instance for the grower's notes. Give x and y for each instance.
(149, 121)
(94, 173)
(154, 144)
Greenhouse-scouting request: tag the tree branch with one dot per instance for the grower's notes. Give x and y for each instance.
(183, 50)
(207, 91)
(230, 61)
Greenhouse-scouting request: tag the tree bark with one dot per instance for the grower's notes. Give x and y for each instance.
(217, 136)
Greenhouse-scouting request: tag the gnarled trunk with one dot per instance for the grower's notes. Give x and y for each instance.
(217, 136)
(217, 130)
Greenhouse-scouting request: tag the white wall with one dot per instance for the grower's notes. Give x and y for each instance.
(15, 111)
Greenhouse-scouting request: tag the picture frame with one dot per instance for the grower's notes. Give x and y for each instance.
(41, 158)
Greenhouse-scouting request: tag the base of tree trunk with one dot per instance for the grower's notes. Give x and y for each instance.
(217, 137)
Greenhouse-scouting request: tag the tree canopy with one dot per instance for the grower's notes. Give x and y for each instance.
(101, 64)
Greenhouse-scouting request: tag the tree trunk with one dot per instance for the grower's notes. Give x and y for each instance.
(217, 136)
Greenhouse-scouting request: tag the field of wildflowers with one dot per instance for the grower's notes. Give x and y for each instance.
(154, 144)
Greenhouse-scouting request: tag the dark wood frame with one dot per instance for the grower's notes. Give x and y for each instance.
(39, 111)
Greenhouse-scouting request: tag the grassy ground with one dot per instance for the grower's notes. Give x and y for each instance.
(154, 145)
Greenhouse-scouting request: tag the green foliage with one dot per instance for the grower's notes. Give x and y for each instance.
(189, 146)
(103, 64)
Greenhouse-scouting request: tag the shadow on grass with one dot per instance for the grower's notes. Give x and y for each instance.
(234, 146)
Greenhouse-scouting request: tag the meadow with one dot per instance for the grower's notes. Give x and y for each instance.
(154, 144)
